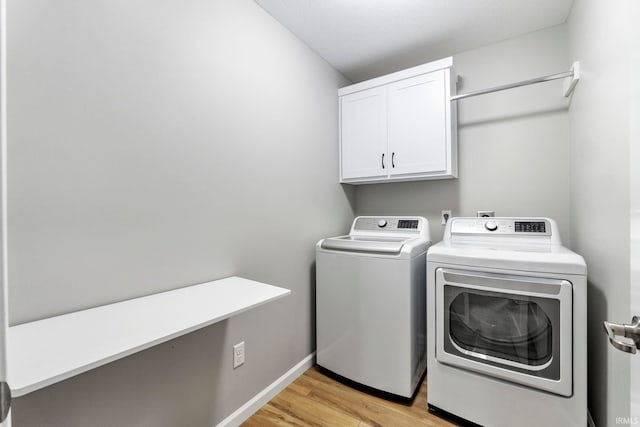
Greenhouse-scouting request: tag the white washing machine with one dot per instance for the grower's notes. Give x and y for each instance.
(507, 337)
(370, 303)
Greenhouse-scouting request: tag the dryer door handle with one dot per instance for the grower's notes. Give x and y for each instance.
(631, 331)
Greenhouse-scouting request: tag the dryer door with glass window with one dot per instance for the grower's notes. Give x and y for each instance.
(512, 327)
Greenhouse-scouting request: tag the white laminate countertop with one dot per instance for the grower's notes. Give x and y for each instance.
(47, 351)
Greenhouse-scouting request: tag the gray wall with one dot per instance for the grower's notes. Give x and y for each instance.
(513, 145)
(154, 145)
(599, 34)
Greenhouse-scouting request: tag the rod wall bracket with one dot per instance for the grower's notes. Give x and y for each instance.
(570, 82)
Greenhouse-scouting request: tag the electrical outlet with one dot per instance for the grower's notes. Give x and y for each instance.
(238, 355)
(444, 216)
(486, 214)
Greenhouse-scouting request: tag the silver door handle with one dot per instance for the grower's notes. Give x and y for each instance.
(5, 401)
(631, 331)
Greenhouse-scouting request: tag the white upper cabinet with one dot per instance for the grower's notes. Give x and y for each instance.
(364, 134)
(416, 122)
(399, 127)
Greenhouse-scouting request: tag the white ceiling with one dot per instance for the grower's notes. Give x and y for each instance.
(367, 38)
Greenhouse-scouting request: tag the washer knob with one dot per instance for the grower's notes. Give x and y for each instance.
(382, 223)
(491, 225)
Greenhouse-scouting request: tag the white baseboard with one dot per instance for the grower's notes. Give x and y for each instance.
(260, 399)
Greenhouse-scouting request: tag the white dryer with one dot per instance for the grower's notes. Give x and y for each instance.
(370, 303)
(507, 306)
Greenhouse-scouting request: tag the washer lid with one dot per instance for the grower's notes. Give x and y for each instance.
(389, 245)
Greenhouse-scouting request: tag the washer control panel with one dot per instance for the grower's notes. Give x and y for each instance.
(391, 227)
(502, 226)
(403, 224)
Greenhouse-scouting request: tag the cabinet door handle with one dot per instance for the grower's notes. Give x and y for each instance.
(382, 160)
(393, 155)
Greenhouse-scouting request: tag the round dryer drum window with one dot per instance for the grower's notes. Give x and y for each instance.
(511, 328)
(503, 329)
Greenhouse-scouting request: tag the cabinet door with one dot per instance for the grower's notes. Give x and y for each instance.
(363, 135)
(417, 125)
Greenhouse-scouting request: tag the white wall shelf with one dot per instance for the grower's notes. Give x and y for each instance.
(47, 351)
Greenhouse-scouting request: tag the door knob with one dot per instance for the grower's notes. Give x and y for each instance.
(631, 331)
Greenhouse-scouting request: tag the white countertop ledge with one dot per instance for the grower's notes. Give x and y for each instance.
(47, 351)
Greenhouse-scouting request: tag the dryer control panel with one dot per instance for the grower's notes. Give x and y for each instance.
(502, 226)
(530, 227)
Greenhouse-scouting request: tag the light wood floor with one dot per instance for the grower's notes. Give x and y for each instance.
(317, 400)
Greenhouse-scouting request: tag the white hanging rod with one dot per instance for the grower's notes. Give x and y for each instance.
(573, 76)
